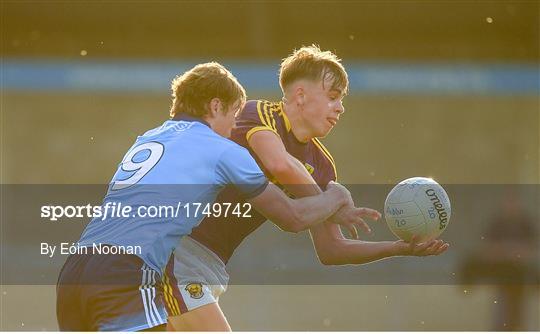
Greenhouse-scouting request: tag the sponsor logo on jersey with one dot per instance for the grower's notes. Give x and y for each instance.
(309, 168)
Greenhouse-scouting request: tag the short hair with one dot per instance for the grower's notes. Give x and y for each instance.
(193, 90)
(309, 62)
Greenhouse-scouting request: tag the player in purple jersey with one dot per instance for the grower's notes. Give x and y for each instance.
(122, 291)
(282, 137)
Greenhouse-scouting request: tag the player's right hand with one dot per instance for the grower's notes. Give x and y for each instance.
(428, 248)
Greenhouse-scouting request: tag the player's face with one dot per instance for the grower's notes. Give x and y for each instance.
(322, 105)
(225, 119)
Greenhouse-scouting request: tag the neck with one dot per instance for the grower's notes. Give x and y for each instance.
(298, 128)
(210, 121)
(188, 117)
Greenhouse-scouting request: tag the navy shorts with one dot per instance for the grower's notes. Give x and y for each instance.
(109, 293)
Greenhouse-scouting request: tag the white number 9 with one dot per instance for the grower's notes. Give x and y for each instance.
(141, 168)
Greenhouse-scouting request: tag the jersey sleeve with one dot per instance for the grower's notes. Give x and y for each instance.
(237, 167)
(253, 118)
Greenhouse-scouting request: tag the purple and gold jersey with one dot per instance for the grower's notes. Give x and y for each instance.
(223, 235)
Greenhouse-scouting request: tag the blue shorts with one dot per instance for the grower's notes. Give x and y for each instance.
(109, 293)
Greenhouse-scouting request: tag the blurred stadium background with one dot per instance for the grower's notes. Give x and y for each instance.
(442, 89)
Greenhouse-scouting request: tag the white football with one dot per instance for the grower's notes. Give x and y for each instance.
(417, 206)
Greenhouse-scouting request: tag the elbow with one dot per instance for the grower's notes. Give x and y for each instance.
(331, 255)
(291, 229)
(326, 257)
(329, 260)
(326, 260)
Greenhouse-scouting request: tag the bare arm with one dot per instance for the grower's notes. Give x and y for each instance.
(331, 246)
(292, 174)
(295, 215)
(333, 249)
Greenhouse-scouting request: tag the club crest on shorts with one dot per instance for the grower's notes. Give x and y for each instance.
(195, 290)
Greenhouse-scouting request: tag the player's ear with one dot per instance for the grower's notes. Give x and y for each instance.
(214, 106)
(299, 95)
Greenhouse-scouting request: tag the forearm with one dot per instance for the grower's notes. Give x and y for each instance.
(298, 182)
(294, 177)
(295, 215)
(344, 251)
(313, 210)
(287, 170)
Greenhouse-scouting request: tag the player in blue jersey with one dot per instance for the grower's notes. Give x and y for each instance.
(184, 161)
(283, 138)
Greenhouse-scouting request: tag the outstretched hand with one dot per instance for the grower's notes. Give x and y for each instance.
(351, 217)
(414, 248)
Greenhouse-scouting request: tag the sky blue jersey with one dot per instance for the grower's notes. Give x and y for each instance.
(162, 179)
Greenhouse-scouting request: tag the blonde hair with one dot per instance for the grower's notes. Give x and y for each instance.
(193, 90)
(309, 62)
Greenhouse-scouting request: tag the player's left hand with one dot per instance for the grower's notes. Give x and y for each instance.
(428, 248)
(352, 217)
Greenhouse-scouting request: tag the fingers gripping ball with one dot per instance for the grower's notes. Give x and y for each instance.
(417, 206)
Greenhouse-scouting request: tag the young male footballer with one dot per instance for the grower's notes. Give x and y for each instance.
(283, 137)
(182, 164)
